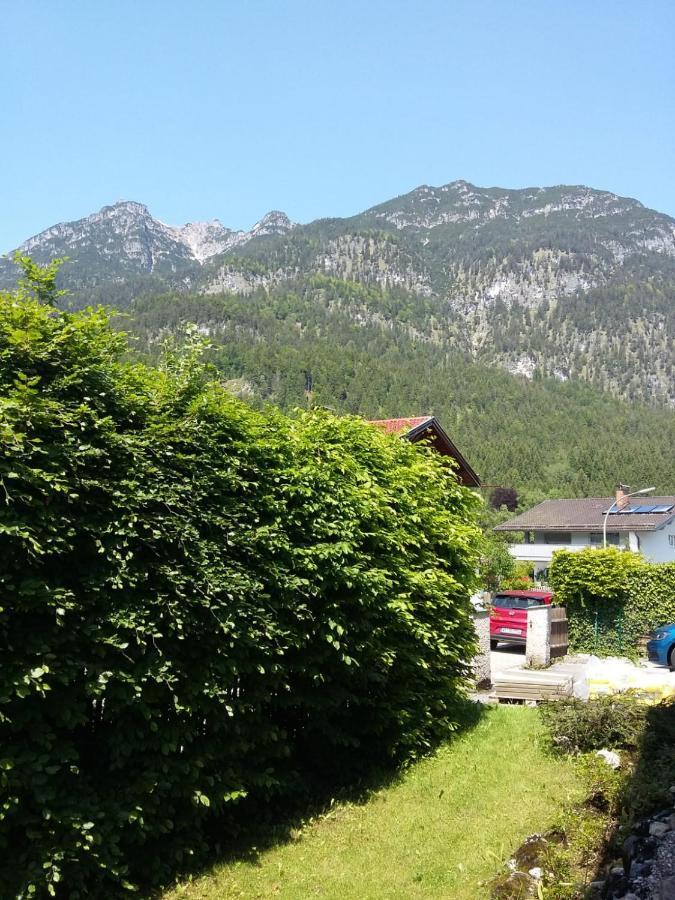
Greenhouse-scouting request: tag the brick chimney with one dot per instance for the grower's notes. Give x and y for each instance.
(621, 495)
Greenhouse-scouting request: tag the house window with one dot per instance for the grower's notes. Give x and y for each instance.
(557, 537)
(671, 540)
(613, 538)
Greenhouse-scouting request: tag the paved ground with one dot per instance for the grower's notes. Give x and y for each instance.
(513, 657)
(507, 657)
(655, 667)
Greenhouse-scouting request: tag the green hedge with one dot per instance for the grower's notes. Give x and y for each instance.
(613, 598)
(204, 607)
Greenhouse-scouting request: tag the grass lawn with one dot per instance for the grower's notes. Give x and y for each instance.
(441, 830)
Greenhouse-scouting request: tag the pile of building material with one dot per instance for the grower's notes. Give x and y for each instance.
(531, 684)
(612, 675)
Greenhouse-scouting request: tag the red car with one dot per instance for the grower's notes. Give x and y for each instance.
(508, 616)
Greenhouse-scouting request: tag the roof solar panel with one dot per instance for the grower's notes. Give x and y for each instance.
(640, 508)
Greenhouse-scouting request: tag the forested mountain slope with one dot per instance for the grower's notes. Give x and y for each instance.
(391, 353)
(569, 282)
(502, 312)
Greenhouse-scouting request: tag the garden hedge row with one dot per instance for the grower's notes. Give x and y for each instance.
(203, 606)
(613, 598)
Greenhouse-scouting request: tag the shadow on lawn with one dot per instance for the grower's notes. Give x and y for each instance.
(262, 825)
(589, 846)
(646, 792)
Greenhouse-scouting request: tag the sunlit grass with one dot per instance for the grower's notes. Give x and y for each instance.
(441, 830)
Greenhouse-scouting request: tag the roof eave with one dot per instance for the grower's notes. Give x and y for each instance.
(432, 422)
(506, 526)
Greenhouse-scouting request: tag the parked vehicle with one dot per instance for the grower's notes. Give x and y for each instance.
(661, 646)
(508, 616)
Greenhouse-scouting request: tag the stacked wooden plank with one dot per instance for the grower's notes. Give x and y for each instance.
(531, 684)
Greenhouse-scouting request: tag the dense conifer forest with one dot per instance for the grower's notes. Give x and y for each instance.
(359, 349)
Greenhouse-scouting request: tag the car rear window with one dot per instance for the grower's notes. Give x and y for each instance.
(506, 602)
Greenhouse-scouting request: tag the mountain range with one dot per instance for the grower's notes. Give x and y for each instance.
(566, 282)
(124, 239)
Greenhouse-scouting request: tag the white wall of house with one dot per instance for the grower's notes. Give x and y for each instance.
(659, 546)
(579, 539)
(655, 546)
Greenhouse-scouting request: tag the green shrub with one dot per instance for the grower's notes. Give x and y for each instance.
(654, 771)
(520, 579)
(620, 722)
(581, 726)
(604, 790)
(613, 598)
(204, 607)
(496, 563)
(650, 599)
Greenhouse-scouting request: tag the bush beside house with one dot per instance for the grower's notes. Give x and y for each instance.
(203, 606)
(613, 598)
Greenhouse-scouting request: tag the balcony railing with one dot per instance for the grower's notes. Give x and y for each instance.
(540, 552)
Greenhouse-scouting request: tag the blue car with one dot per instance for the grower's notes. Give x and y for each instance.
(661, 646)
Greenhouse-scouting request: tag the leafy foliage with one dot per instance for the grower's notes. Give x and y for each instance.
(654, 773)
(622, 722)
(497, 566)
(504, 496)
(581, 726)
(204, 606)
(613, 598)
(520, 579)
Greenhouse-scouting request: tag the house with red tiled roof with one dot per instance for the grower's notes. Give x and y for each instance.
(428, 428)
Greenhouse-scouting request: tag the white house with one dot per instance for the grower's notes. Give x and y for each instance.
(643, 525)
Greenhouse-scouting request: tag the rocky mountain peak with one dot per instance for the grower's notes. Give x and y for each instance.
(126, 233)
(205, 239)
(462, 202)
(274, 222)
(126, 206)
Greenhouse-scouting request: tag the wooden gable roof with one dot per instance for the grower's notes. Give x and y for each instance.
(428, 428)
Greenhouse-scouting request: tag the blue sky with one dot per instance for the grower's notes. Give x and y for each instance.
(228, 109)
